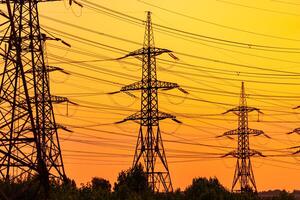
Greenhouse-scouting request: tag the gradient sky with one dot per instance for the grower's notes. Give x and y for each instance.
(263, 22)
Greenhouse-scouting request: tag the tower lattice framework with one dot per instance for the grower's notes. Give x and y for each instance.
(149, 148)
(243, 171)
(297, 131)
(29, 143)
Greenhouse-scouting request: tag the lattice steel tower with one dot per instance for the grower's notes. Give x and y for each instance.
(149, 147)
(29, 143)
(243, 170)
(297, 131)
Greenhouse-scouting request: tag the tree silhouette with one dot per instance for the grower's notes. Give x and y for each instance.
(101, 184)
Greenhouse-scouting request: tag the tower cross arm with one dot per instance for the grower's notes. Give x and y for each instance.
(296, 130)
(60, 99)
(249, 131)
(54, 99)
(134, 86)
(134, 117)
(296, 152)
(256, 132)
(297, 107)
(242, 109)
(60, 126)
(51, 127)
(49, 69)
(153, 84)
(229, 133)
(160, 116)
(166, 85)
(253, 152)
(153, 51)
(163, 115)
(249, 153)
(233, 153)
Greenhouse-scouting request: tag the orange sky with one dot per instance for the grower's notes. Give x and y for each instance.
(93, 126)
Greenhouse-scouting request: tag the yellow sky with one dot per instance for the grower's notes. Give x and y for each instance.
(113, 151)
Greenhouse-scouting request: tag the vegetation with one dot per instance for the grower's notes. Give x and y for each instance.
(130, 185)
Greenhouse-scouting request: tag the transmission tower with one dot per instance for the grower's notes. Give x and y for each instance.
(297, 131)
(243, 170)
(149, 147)
(29, 143)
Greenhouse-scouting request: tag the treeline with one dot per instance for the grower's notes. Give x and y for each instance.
(130, 185)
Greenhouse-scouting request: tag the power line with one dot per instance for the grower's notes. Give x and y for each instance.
(217, 24)
(203, 37)
(257, 8)
(286, 2)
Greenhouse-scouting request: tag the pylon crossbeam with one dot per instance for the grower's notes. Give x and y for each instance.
(242, 109)
(153, 51)
(138, 117)
(248, 131)
(153, 85)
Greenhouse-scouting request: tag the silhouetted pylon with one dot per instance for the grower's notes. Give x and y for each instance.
(29, 143)
(149, 147)
(243, 170)
(297, 131)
